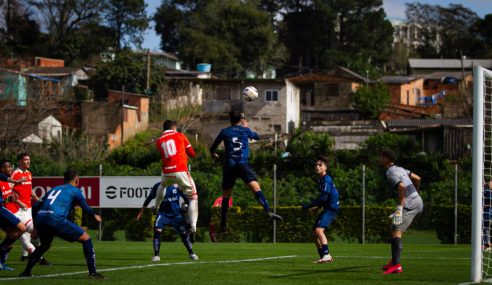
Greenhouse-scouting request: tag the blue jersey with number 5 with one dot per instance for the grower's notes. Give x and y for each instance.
(58, 202)
(236, 143)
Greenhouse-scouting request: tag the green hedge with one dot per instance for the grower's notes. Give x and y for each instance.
(252, 225)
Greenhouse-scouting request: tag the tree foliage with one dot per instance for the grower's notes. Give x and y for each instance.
(128, 19)
(371, 100)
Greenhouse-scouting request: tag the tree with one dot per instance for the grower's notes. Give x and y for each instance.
(126, 72)
(370, 101)
(63, 16)
(482, 29)
(446, 31)
(19, 32)
(234, 35)
(128, 19)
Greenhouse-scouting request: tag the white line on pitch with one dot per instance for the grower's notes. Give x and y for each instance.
(405, 257)
(152, 265)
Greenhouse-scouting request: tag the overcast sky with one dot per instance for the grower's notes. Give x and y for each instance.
(395, 9)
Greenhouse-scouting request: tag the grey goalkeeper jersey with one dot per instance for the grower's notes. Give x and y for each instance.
(397, 175)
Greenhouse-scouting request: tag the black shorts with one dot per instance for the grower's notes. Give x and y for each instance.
(243, 171)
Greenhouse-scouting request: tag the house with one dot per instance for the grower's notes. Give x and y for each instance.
(421, 66)
(118, 119)
(404, 90)
(161, 58)
(35, 128)
(326, 97)
(276, 110)
(453, 137)
(50, 129)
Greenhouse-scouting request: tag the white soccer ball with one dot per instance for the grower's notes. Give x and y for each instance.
(250, 93)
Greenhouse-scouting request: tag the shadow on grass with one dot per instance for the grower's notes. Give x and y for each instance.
(324, 271)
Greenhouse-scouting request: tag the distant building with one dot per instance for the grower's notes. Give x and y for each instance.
(161, 58)
(404, 90)
(419, 66)
(406, 35)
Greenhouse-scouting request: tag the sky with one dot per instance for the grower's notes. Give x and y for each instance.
(395, 9)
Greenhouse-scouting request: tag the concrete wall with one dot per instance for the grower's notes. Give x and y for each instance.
(407, 93)
(333, 95)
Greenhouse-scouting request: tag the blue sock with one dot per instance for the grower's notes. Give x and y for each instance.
(261, 198)
(320, 252)
(4, 255)
(324, 249)
(157, 243)
(5, 247)
(90, 255)
(185, 238)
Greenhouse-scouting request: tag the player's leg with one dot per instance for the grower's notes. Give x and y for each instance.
(14, 229)
(156, 241)
(486, 230)
(46, 235)
(228, 180)
(187, 183)
(324, 219)
(166, 180)
(25, 239)
(183, 232)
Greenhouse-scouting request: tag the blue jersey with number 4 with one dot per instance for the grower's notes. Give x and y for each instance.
(236, 143)
(59, 201)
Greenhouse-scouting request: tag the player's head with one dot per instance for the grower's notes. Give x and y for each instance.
(235, 117)
(5, 167)
(24, 160)
(71, 176)
(387, 157)
(321, 165)
(169, 125)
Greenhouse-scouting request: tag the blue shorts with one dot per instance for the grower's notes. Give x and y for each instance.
(48, 228)
(243, 171)
(7, 219)
(325, 219)
(177, 223)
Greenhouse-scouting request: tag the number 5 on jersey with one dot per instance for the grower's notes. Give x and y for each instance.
(169, 148)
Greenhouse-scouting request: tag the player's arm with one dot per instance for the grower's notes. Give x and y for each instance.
(85, 207)
(253, 135)
(415, 180)
(34, 197)
(18, 202)
(5, 178)
(217, 141)
(185, 198)
(188, 148)
(152, 195)
(323, 197)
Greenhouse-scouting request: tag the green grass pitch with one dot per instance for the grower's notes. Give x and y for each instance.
(246, 263)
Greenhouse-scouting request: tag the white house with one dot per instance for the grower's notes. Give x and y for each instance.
(50, 129)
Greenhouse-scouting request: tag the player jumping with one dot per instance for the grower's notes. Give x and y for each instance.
(236, 143)
(8, 221)
(169, 213)
(50, 219)
(26, 195)
(328, 200)
(175, 149)
(410, 204)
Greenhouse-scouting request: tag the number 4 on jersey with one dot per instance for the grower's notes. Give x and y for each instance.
(53, 195)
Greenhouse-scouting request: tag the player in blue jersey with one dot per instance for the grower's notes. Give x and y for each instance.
(50, 220)
(169, 213)
(236, 142)
(8, 221)
(487, 215)
(328, 202)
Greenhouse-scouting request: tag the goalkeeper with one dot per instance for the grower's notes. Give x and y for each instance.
(410, 205)
(328, 200)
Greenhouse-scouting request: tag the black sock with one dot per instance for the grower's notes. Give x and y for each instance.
(5, 247)
(223, 211)
(35, 257)
(90, 255)
(396, 248)
(320, 252)
(5, 254)
(157, 243)
(261, 198)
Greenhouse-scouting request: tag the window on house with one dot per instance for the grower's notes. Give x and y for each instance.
(277, 128)
(271, 95)
(332, 90)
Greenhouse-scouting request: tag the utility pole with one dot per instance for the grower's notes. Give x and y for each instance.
(148, 71)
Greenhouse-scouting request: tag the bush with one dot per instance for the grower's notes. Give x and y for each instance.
(443, 220)
(139, 230)
(109, 229)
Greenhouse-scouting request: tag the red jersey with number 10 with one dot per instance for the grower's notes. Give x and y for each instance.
(175, 149)
(23, 189)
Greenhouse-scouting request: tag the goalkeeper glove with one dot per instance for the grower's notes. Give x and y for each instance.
(397, 216)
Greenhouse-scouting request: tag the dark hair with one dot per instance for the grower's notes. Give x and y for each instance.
(69, 175)
(235, 117)
(3, 162)
(389, 154)
(21, 155)
(323, 159)
(169, 124)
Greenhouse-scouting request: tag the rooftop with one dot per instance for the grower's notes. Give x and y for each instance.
(395, 79)
(448, 63)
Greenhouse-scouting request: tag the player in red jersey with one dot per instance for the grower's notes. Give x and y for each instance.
(175, 150)
(26, 196)
(8, 221)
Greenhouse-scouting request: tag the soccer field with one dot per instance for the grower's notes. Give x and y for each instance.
(246, 263)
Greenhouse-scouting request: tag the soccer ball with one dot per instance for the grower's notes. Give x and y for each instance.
(250, 93)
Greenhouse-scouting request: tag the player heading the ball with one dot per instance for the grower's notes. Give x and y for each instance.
(236, 142)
